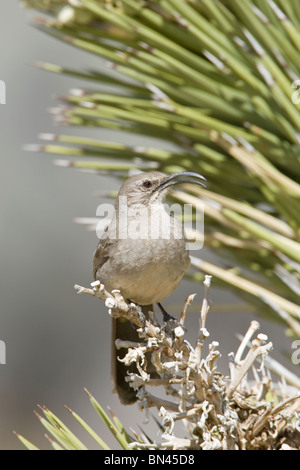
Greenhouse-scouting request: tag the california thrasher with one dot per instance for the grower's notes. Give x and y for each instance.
(143, 253)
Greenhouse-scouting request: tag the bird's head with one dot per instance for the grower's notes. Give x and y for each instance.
(152, 187)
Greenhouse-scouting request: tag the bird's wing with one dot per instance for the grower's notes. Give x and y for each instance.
(101, 254)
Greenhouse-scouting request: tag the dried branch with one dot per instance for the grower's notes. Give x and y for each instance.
(217, 412)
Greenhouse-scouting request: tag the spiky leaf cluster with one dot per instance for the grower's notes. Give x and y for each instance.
(217, 83)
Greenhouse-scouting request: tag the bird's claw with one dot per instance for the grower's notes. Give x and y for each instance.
(169, 322)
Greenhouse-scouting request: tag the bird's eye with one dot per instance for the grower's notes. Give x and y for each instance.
(147, 184)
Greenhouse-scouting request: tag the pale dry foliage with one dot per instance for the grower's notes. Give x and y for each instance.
(217, 412)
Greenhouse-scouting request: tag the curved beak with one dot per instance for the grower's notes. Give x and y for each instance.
(180, 178)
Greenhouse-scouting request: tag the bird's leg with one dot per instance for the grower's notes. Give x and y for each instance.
(169, 322)
(166, 316)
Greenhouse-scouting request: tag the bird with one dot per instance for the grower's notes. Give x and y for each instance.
(143, 253)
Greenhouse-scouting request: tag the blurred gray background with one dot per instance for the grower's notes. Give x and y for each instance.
(57, 342)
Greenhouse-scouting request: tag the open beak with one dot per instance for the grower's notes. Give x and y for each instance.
(180, 178)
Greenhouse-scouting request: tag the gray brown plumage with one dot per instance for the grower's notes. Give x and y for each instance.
(143, 253)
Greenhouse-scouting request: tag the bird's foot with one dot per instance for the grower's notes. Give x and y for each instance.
(170, 322)
(166, 316)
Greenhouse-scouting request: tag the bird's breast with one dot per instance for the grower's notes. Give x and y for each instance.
(150, 257)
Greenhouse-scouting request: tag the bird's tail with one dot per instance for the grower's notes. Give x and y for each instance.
(126, 331)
